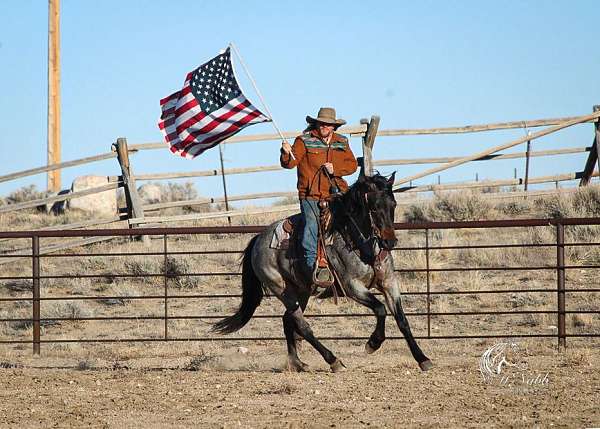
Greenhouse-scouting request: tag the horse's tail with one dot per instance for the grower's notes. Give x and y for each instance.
(252, 294)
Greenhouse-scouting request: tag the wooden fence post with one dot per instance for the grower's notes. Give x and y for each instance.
(527, 157)
(594, 156)
(135, 208)
(368, 142)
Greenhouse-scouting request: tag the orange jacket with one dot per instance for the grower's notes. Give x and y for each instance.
(310, 153)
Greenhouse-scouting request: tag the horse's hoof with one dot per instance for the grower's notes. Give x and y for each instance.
(338, 366)
(369, 349)
(297, 366)
(426, 365)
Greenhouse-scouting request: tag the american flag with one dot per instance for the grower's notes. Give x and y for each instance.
(209, 109)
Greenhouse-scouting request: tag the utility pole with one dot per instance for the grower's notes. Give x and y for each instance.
(53, 93)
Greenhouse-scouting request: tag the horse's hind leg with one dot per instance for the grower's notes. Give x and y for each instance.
(292, 338)
(294, 305)
(391, 291)
(305, 330)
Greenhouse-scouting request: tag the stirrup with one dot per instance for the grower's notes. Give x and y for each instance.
(323, 277)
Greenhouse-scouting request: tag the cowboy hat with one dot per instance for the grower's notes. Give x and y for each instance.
(326, 115)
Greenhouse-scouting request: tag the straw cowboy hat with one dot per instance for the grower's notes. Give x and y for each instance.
(326, 115)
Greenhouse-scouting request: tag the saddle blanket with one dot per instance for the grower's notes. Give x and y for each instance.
(282, 234)
(285, 231)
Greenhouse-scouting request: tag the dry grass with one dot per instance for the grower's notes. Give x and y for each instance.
(471, 205)
(451, 206)
(113, 293)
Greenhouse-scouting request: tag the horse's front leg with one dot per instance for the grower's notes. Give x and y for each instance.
(361, 294)
(391, 291)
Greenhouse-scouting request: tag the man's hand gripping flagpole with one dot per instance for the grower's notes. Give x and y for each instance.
(287, 148)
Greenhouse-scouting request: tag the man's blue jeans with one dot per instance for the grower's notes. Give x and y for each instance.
(310, 213)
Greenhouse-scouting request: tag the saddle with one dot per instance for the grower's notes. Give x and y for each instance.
(288, 235)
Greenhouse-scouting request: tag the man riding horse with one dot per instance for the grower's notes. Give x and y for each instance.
(359, 252)
(322, 157)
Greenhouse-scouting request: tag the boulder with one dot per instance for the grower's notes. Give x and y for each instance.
(150, 193)
(99, 204)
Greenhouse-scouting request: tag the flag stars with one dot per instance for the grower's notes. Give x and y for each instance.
(213, 83)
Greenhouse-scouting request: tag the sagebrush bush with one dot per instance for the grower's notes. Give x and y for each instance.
(172, 191)
(66, 310)
(586, 201)
(26, 193)
(177, 270)
(515, 208)
(460, 206)
(416, 213)
(554, 206)
(141, 266)
(451, 206)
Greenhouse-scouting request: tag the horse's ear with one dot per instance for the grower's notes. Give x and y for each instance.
(392, 179)
(361, 164)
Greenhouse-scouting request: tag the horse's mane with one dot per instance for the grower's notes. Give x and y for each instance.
(353, 202)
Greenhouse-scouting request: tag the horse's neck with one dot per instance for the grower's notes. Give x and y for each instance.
(347, 225)
(354, 234)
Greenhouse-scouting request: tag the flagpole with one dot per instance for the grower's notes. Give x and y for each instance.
(224, 183)
(237, 53)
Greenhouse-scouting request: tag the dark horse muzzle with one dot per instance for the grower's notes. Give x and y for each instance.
(388, 238)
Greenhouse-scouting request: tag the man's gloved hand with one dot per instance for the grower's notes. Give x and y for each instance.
(329, 167)
(286, 147)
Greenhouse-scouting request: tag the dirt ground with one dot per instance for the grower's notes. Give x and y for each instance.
(239, 383)
(244, 385)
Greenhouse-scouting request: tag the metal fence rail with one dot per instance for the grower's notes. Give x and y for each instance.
(37, 300)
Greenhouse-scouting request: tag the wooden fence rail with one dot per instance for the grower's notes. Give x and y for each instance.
(480, 128)
(492, 157)
(409, 190)
(494, 183)
(213, 200)
(386, 162)
(512, 143)
(353, 130)
(149, 221)
(367, 130)
(360, 130)
(60, 166)
(56, 198)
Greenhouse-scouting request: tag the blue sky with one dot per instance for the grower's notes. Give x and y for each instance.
(416, 64)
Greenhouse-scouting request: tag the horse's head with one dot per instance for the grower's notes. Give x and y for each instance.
(373, 203)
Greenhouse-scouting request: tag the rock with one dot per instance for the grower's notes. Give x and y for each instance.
(100, 204)
(150, 193)
(243, 350)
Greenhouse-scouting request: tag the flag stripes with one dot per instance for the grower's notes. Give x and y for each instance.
(208, 109)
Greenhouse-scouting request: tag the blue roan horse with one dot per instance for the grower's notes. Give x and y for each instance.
(362, 236)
